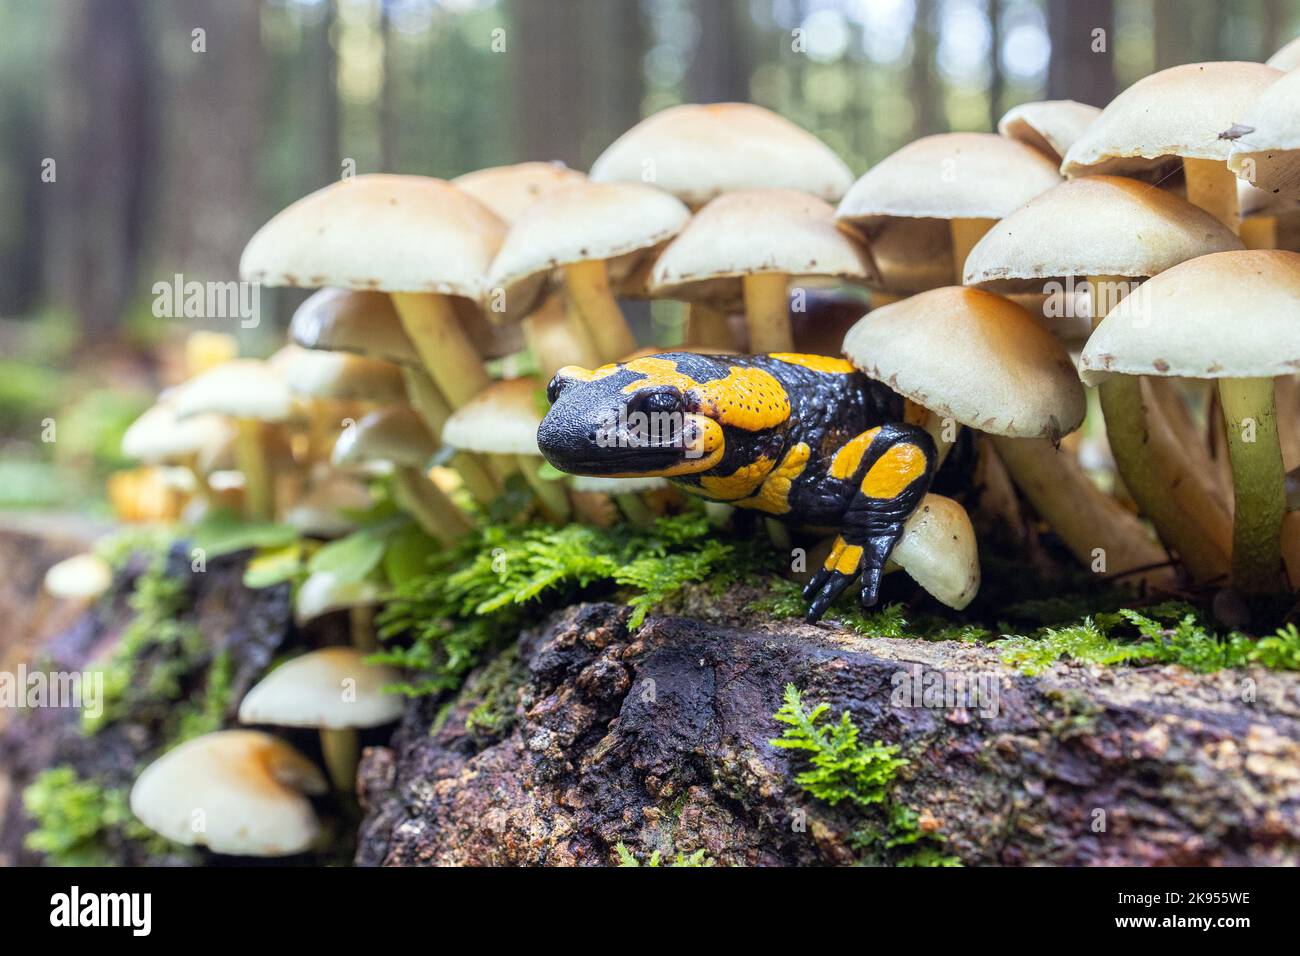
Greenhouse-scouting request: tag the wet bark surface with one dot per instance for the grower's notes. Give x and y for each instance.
(660, 740)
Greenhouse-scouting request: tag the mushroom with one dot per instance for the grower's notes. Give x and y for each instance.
(366, 323)
(1170, 118)
(938, 551)
(398, 435)
(321, 512)
(420, 239)
(747, 245)
(1287, 58)
(998, 371)
(697, 152)
(503, 420)
(1175, 324)
(1115, 232)
(333, 690)
(1266, 142)
(238, 792)
(509, 190)
(323, 592)
(82, 577)
(250, 392)
(971, 180)
(580, 228)
(1049, 126)
(158, 438)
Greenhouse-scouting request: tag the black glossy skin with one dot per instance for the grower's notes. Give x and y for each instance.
(827, 410)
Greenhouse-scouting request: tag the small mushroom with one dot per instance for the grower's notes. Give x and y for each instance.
(509, 190)
(939, 552)
(1049, 126)
(237, 792)
(1231, 317)
(82, 577)
(1174, 118)
(333, 690)
(158, 438)
(970, 180)
(746, 246)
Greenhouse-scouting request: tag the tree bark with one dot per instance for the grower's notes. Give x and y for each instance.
(722, 63)
(1075, 71)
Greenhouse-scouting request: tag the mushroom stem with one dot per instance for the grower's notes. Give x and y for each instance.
(550, 494)
(881, 299)
(430, 405)
(707, 327)
(558, 339)
(1090, 524)
(259, 501)
(1259, 232)
(201, 486)
(447, 353)
(965, 233)
(636, 511)
(1212, 186)
(935, 426)
(1258, 483)
(767, 312)
(588, 285)
(342, 752)
(361, 626)
(424, 501)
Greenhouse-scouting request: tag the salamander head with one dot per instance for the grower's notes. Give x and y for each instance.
(662, 415)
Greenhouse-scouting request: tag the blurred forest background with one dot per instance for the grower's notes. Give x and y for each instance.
(145, 138)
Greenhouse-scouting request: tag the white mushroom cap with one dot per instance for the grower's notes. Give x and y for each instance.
(756, 231)
(1177, 112)
(974, 357)
(698, 151)
(1267, 151)
(157, 436)
(333, 688)
(238, 792)
(1049, 126)
(1287, 58)
(320, 512)
(509, 190)
(579, 223)
(617, 486)
(1229, 315)
(341, 376)
(938, 551)
(83, 577)
(323, 592)
(502, 419)
(949, 176)
(395, 434)
(380, 231)
(244, 388)
(1094, 226)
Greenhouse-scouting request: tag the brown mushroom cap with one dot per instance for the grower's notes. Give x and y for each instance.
(245, 788)
(500, 420)
(1227, 315)
(342, 320)
(1049, 126)
(1178, 112)
(1094, 226)
(697, 152)
(341, 376)
(974, 357)
(396, 434)
(911, 255)
(333, 688)
(949, 176)
(509, 190)
(382, 232)
(756, 231)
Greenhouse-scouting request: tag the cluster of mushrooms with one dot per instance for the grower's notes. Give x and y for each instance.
(1138, 249)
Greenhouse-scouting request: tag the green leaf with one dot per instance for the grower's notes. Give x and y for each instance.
(351, 558)
(224, 532)
(273, 566)
(407, 556)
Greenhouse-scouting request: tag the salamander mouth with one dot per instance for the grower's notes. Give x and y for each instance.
(607, 449)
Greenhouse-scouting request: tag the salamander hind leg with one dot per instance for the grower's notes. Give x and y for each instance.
(893, 466)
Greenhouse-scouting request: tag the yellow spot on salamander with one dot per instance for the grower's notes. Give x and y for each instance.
(774, 494)
(818, 363)
(893, 471)
(747, 398)
(576, 373)
(739, 484)
(847, 459)
(844, 557)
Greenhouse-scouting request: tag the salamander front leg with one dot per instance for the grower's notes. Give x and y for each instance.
(896, 468)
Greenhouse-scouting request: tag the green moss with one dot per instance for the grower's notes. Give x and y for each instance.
(844, 769)
(496, 687)
(81, 823)
(1170, 633)
(626, 858)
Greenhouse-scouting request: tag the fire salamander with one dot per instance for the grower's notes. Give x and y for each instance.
(805, 438)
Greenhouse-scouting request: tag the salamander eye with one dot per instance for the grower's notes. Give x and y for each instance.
(660, 402)
(553, 390)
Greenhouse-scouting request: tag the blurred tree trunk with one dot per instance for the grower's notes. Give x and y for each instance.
(1076, 70)
(324, 65)
(1273, 28)
(997, 80)
(720, 69)
(388, 93)
(616, 77)
(928, 113)
(213, 108)
(545, 48)
(103, 148)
